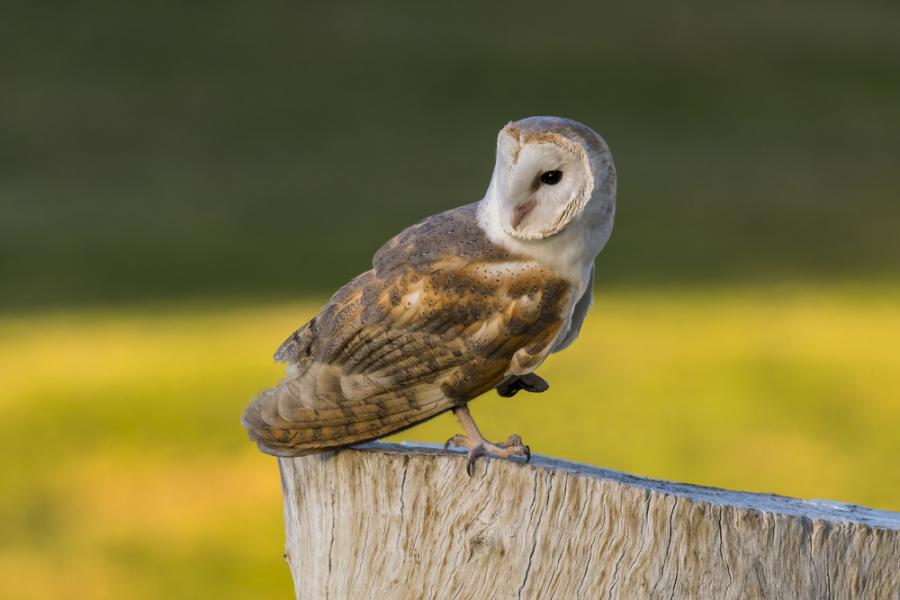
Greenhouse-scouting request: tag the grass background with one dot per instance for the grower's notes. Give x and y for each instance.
(126, 473)
(265, 150)
(181, 186)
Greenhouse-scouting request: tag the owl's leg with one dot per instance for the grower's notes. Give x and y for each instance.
(478, 446)
(530, 382)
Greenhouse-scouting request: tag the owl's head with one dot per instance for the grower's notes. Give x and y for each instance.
(551, 172)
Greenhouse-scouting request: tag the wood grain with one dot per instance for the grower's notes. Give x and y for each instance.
(404, 521)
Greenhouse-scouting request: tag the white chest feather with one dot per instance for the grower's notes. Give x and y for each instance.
(569, 254)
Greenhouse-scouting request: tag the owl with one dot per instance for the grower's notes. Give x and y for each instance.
(466, 301)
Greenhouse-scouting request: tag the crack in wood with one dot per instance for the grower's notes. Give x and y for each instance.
(537, 529)
(722, 549)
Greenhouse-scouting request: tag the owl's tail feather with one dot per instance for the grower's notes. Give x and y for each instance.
(285, 421)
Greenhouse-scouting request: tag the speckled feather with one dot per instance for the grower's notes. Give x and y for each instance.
(444, 316)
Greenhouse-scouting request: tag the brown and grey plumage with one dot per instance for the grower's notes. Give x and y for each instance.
(454, 306)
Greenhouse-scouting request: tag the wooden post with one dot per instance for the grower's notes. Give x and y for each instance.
(405, 521)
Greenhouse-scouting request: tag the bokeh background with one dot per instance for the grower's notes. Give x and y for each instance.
(181, 185)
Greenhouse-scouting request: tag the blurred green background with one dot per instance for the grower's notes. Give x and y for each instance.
(182, 185)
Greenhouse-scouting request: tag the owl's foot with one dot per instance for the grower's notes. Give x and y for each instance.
(530, 382)
(478, 446)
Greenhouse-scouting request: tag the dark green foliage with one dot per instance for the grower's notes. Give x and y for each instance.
(157, 150)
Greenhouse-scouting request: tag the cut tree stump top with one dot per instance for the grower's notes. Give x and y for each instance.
(406, 521)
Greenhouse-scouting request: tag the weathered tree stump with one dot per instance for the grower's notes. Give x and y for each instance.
(405, 521)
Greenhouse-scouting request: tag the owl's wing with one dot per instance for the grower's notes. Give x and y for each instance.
(408, 340)
(579, 312)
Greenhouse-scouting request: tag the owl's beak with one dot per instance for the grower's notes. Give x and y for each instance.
(521, 211)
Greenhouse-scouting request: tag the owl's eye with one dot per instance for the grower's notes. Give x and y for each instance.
(551, 177)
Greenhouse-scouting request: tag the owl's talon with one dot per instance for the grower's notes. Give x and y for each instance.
(457, 441)
(481, 447)
(530, 382)
(478, 446)
(513, 440)
(507, 391)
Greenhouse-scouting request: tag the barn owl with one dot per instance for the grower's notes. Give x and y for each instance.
(466, 301)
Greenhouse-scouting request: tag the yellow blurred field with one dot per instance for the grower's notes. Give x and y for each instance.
(125, 472)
